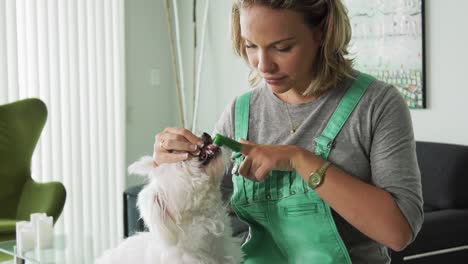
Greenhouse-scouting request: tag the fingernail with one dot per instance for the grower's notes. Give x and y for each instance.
(193, 147)
(200, 144)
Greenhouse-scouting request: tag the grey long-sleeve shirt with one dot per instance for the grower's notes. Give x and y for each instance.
(376, 145)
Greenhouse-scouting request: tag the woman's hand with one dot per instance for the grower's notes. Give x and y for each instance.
(175, 144)
(261, 159)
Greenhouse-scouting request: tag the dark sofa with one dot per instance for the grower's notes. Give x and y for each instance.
(444, 235)
(132, 220)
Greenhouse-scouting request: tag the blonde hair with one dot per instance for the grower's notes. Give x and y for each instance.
(330, 17)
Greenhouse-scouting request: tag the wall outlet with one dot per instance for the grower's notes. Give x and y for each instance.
(155, 77)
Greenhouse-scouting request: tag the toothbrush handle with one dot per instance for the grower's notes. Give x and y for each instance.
(221, 140)
(234, 145)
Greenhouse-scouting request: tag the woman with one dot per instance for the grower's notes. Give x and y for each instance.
(329, 171)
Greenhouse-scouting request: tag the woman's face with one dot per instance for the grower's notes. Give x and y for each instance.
(280, 47)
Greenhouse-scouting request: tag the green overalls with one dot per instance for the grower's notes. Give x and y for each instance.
(289, 222)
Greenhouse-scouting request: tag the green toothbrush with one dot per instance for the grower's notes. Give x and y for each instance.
(221, 140)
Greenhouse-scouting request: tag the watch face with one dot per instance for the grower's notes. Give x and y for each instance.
(314, 180)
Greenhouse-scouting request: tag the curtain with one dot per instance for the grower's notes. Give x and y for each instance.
(70, 54)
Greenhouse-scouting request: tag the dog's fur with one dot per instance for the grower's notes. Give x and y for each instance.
(187, 221)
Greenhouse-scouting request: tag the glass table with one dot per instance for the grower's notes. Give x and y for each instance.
(63, 251)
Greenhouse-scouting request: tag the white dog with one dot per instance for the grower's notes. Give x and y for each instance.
(182, 208)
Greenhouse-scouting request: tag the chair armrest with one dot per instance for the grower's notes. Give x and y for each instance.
(37, 197)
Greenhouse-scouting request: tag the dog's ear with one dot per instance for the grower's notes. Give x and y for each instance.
(141, 167)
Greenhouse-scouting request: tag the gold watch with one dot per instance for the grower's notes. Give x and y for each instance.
(316, 177)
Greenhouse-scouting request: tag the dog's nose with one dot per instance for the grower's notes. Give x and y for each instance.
(206, 138)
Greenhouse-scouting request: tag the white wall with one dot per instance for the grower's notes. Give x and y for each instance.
(150, 108)
(224, 76)
(446, 116)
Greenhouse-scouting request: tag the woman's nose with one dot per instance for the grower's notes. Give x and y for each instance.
(265, 63)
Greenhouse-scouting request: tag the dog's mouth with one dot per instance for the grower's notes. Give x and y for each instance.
(209, 150)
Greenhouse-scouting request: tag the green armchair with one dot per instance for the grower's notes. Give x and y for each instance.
(21, 123)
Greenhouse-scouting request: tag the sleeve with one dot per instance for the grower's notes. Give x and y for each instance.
(393, 159)
(225, 127)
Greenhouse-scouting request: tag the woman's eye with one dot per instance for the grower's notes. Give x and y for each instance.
(283, 49)
(247, 46)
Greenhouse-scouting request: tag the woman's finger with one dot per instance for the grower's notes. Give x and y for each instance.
(175, 144)
(164, 157)
(244, 169)
(178, 145)
(261, 172)
(243, 141)
(167, 142)
(247, 146)
(186, 134)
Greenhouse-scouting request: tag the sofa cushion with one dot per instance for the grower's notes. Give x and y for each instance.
(444, 175)
(441, 230)
(133, 223)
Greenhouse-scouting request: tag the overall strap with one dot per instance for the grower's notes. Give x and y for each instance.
(241, 116)
(324, 142)
(241, 129)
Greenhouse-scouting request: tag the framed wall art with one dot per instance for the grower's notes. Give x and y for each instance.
(388, 43)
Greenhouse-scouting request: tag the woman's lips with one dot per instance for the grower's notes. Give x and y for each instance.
(274, 81)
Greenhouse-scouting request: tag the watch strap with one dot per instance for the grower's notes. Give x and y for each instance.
(323, 168)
